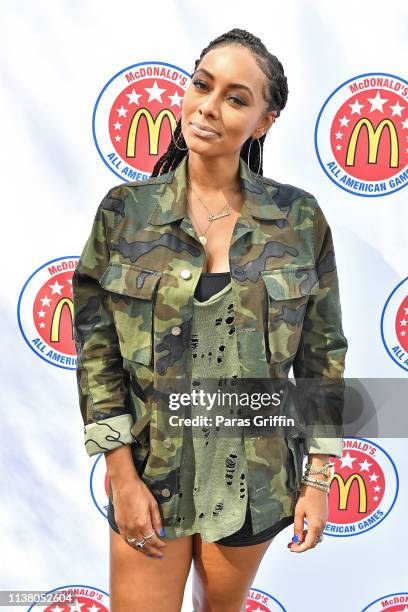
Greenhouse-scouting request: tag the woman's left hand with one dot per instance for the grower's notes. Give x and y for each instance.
(313, 506)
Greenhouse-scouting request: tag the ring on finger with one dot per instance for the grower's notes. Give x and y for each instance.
(138, 544)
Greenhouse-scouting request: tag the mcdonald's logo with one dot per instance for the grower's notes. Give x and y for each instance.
(46, 310)
(366, 488)
(153, 129)
(56, 318)
(360, 135)
(344, 491)
(373, 136)
(135, 115)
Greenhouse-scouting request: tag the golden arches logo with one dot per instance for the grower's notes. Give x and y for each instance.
(344, 491)
(374, 135)
(56, 317)
(153, 129)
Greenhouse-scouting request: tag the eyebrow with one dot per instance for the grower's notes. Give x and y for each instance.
(237, 85)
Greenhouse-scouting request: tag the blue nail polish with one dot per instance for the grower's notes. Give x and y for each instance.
(295, 538)
(149, 555)
(161, 531)
(160, 557)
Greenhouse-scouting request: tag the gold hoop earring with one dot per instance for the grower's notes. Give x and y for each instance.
(172, 136)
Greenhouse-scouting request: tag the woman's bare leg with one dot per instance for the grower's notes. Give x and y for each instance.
(148, 584)
(223, 575)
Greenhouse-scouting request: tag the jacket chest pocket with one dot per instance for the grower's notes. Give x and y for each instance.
(132, 292)
(288, 291)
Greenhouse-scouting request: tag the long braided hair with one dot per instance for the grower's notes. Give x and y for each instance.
(276, 95)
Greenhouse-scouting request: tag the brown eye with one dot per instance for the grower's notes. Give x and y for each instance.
(197, 83)
(237, 100)
(202, 85)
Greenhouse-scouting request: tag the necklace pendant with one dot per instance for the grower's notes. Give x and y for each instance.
(213, 217)
(202, 239)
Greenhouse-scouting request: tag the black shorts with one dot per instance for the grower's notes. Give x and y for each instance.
(242, 537)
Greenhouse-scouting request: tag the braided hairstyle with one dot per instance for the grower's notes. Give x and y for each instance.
(276, 95)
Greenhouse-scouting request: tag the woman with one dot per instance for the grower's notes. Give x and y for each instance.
(143, 306)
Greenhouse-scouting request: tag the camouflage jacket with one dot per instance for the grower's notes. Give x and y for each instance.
(133, 298)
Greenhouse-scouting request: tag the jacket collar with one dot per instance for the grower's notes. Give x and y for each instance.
(171, 198)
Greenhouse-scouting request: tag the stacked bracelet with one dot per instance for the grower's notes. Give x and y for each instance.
(318, 484)
(327, 469)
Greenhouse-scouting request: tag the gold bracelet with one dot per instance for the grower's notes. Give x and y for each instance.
(311, 468)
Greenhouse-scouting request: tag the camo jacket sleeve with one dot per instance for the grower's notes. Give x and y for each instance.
(320, 359)
(101, 378)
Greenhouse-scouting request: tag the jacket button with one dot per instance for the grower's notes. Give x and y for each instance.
(186, 274)
(167, 443)
(176, 331)
(165, 492)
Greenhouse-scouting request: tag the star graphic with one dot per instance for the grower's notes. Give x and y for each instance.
(77, 606)
(175, 99)
(377, 103)
(396, 109)
(344, 121)
(56, 288)
(133, 97)
(155, 93)
(45, 301)
(41, 314)
(347, 460)
(339, 135)
(356, 107)
(365, 466)
(117, 125)
(121, 111)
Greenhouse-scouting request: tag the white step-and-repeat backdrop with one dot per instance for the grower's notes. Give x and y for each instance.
(73, 74)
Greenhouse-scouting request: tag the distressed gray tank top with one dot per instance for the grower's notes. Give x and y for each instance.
(213, 476)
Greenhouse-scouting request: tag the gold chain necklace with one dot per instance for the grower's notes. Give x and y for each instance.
(211, 216)
(201, 236)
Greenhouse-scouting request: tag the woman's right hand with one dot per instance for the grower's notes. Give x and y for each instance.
(137, 515)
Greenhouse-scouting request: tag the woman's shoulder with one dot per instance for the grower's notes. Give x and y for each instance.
(295, 202)
(123, 198)
(123, 189)
(284, 192)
